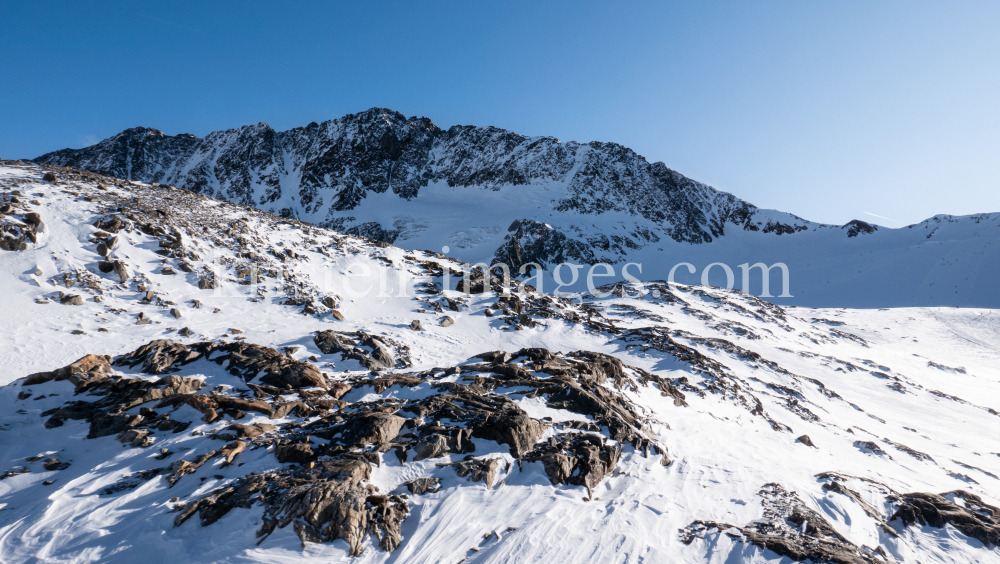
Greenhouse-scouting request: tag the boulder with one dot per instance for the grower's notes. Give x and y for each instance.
(510, 425)
(420, 486)
(300, 453)
(295, 374)
(376, 429)
(71, 299)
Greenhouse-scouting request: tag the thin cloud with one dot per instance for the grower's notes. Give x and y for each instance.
(882, 217)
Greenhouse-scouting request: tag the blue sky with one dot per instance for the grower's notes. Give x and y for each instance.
(831, 111)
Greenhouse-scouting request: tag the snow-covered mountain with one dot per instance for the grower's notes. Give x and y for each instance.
(489, 195)
(323, 173)
(195, 380)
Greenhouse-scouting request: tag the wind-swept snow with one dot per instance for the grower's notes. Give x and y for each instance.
(680, 415)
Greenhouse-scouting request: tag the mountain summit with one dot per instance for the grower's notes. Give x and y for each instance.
(485, 195)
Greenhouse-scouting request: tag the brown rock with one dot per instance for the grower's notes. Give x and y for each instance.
(91, 368)
(421, 486)
(376, 429)
(300, 453)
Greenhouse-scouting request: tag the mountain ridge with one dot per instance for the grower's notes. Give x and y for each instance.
(485, 194)
(381, 150)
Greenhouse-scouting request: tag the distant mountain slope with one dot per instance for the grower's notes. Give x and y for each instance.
(488, 195)
(322, 172)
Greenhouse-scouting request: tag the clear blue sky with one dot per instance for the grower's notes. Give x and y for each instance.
(824, 109)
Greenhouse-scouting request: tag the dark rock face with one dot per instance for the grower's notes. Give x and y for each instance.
(857, 227)
(531, 241)
(245, 361)
(374, 352)
(326, 494)
(373, 230)
(791, 529)
(336, 164)
(977, 519)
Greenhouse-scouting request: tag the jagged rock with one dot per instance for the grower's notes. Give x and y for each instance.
(134, 437)
(207, 283)
(477, 470)
(790, 529)
(251, 431)
(380, 357)
(415, 325)
(88, 369)
(447, 321)
(977, 519)
(510, 425)
(295, 374)
(376, 429)
(176, 313)
(103, 425)
(436, 444)
(105, 266)
(102, 250)
(299, 453)
(168, 270)
(245, 360)
(558, 467)
(420, 486)
(143, 319)
(326, 496)
(582, 460)
(185, 332)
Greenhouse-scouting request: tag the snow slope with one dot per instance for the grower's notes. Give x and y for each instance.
(711, 387)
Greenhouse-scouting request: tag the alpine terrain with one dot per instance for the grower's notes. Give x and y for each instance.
(189, 377)
(487, 195)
